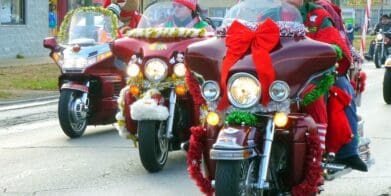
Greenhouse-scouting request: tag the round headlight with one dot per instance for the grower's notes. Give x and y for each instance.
(133, 70)
(210, 90)
(180, 69)
(379, 36)
(244, 90)
(155, 70)
(279, 91)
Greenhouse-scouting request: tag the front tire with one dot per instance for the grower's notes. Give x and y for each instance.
(387, 86)
(153, 145)
(228, 178)
(71, 113)
(378, 58)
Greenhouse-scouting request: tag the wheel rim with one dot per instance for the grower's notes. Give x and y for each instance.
(161, 144)
(77, 113)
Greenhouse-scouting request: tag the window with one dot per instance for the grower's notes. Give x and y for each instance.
(12, 12)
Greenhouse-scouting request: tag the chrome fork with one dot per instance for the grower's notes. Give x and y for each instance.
(264, 163)
(170, 120)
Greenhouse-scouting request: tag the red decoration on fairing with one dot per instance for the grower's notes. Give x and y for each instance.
(240, 39)
(195, 93)
(338, 131)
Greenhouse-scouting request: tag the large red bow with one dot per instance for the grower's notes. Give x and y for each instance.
(261, 41)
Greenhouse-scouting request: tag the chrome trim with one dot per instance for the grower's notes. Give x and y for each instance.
(218, 90)
(227, 154)
(171, 111)
(265, 158)
(286, 87)
(232, 79)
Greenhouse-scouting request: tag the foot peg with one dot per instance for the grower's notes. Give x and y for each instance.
(185, 146)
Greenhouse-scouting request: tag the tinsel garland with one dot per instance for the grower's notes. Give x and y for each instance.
(323, 86)
(63, 33)
(120, 117)
(239, 117)
(197, 138)
(313, 168)
(161, 32)
(194, 159)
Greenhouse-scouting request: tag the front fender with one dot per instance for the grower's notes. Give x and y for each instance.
(75, 86)
(148, 109)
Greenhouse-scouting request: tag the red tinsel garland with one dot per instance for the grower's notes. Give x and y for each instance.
(313, 168)
(197, 139)
(194, 157)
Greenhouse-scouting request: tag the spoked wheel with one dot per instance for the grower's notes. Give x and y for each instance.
(72, 113)
(153, 145)
(387, 86)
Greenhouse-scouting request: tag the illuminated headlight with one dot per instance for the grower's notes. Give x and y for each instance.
(244, 90)
(379, 36)
(180, 69)
(210, 90)
(279, 91)
(133, 70)
(78, 62)
(155, 70)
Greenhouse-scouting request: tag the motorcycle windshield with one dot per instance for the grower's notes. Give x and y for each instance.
(253, 12)
(167, 15)
(87, 28)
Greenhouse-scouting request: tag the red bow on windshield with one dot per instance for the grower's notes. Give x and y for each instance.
(261, 41)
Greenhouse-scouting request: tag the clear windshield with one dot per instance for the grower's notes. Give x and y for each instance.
(89, 28)
(256, 11)
(168, 15)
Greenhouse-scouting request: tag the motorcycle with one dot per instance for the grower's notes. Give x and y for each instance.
(271, 148)
(387, 81)
(155, 108)
(381, 50)
(89, 83)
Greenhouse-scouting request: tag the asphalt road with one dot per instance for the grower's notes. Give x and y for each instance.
(36, 158)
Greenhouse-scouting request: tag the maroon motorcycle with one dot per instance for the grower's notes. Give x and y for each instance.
(251, 146)
(89, 82)
(156, 109)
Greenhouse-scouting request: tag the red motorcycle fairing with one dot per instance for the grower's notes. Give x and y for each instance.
(294, 60)
(124, 48)
(74, 86)
(293, 135)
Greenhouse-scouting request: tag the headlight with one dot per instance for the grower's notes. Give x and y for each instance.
(155, 70)
(379, 36)
(133, 70)
(78, 63)
(180, 69)
(210, 90)
(279, 91)
(244, 90)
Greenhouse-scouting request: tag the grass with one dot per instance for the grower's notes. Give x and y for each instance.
(30, 77)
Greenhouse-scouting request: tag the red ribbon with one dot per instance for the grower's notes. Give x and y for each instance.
(240, 39)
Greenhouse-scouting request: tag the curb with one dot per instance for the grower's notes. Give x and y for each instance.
(28, 103)
(39, 99)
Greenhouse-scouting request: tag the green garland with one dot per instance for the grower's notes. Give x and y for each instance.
(323, 86)
(63, 33)
(239, 117)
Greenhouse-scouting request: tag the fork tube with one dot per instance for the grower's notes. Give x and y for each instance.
(170, 120)
(267, 146)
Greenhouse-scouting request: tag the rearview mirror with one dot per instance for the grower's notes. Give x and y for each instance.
(50, 43)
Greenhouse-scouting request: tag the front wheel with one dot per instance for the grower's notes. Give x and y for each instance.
(72, 113)
(153, 144)
(378, 58)
(230, 178)
(387, 86)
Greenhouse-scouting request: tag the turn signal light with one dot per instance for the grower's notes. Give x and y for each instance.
(280, 119)
(212, 118)
(180, 90)
(135, 90)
